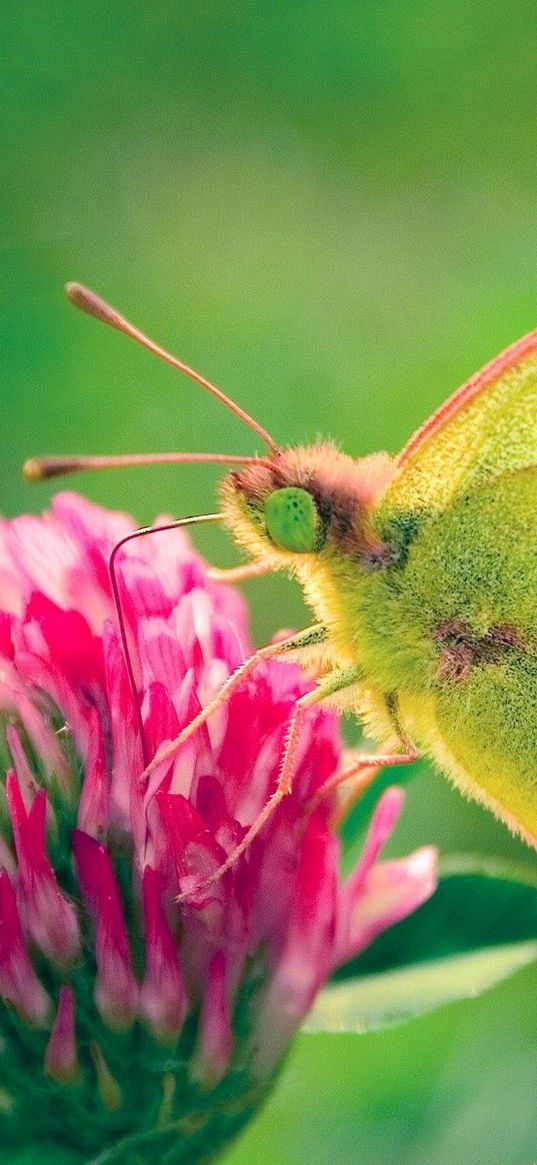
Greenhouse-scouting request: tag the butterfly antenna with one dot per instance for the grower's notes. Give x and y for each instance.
(93, 305)
(40, 468)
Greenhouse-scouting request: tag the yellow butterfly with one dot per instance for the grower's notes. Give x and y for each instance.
(421, 571)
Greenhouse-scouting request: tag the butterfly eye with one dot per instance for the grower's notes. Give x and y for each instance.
(292, 520)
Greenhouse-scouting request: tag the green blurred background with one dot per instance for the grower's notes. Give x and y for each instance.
(330, 209)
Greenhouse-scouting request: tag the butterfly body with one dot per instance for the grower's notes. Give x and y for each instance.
(426, 580)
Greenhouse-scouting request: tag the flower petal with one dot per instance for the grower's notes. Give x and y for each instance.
(19, 985)
(116, 990)
(61, 1059)
(49, 915)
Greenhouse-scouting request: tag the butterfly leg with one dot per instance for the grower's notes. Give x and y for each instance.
(361, 772)
(330, 685)
(235, 574)
(310, 637)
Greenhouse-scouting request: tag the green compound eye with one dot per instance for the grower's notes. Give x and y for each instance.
(292, 520)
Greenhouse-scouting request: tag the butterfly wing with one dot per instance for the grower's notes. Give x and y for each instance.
(464, 606)
(487, 427)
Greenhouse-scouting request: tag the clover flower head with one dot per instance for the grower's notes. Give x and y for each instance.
(134, 1028)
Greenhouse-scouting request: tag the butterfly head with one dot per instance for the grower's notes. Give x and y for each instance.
(303, 501)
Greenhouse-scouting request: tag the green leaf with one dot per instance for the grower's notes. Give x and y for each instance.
(389, 998)
(479, 927)
(489, 866)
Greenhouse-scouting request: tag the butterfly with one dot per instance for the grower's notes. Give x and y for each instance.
(420, 571)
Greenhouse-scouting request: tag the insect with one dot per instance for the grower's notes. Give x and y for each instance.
(421, 572)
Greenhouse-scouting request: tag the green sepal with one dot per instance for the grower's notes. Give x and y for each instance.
(164, 1115)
